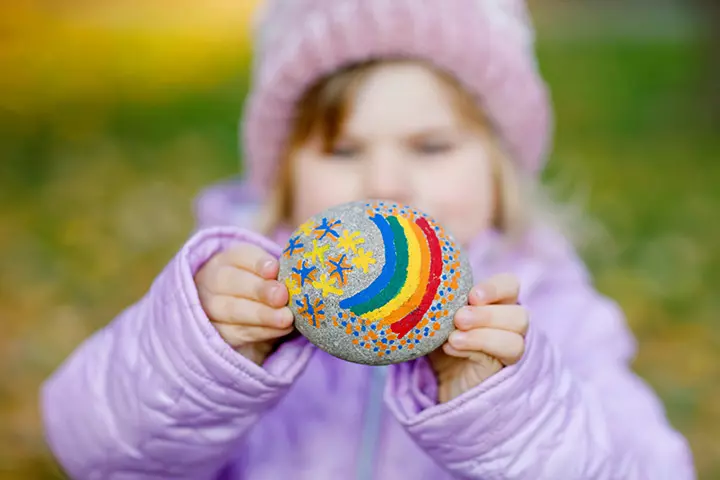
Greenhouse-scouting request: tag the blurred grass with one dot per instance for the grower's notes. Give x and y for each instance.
(110, 124)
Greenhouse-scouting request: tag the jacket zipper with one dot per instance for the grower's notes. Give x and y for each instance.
(371, 425)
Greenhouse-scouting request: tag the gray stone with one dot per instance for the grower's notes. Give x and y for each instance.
(374, 282)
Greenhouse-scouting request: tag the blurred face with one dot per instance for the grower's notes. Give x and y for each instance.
(402, 140)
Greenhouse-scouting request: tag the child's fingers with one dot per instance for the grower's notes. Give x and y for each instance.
(503, 289)
(253, 259)
(233, 281)
(508, 347)
(227, 309)
(490, 364)
(238, 335)
(513, 318)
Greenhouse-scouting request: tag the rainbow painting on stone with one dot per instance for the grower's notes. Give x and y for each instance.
(374, 282)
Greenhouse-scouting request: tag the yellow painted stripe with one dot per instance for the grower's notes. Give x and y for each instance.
(413, 275)
(417, 297)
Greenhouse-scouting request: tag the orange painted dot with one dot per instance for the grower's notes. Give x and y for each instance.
(436, 326)
(348, 329)
(356, 341)
(411, 346)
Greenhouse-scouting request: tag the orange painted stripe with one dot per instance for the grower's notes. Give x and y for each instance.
(417, 297)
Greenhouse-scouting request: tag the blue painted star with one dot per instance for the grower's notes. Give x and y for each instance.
(327, 228)
(306, 273)
(293, 245)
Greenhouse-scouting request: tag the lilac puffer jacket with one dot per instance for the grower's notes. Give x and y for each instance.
(157, 394)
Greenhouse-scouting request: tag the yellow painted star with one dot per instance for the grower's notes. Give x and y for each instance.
(317, 254)
(307, 228)
(349, 241)
(327, 286)
(292, 287)
(363, 260)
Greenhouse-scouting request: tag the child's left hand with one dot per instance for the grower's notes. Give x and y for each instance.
(490, 335)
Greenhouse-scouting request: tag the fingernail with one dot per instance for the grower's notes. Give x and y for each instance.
(480, 294)
(463, 316)
(267, 265)
(272, 292)
(458, 339)
(284, 319)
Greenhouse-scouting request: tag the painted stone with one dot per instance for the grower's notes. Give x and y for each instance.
(374, 282)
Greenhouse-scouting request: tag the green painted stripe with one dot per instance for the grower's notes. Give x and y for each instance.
(399, 276)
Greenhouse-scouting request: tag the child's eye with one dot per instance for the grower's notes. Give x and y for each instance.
(433, 148)
(345, 151)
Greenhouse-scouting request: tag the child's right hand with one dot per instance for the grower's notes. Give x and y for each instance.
(240, 294)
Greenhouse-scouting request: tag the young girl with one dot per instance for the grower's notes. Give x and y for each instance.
(434, 104)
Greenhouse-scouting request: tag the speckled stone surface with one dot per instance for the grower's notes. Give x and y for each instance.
(374, 282)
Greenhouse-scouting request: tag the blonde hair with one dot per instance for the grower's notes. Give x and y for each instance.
(520, 201)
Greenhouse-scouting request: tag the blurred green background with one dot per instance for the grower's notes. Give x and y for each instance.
(113, 115)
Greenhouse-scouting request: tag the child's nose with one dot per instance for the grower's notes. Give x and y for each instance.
(386, 178)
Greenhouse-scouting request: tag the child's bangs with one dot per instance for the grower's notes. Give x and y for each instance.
(324, 108)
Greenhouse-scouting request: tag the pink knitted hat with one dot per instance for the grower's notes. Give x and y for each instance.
(486, 44)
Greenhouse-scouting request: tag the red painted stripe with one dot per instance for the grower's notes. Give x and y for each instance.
(402, 327)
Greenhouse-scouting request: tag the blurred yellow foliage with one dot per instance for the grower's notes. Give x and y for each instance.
(51, 53)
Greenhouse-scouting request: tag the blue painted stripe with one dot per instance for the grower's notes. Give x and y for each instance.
(388, 270)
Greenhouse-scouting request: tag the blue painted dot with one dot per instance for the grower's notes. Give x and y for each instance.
(399, 347)
(344, 323)
(376, 349)
(373, 326)
(383, 340)
(442, 293)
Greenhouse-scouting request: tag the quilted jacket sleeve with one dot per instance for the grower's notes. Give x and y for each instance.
(158, 393)
(571, 409)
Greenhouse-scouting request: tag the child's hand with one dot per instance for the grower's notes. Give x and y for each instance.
(490, 334)
(240, 294)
